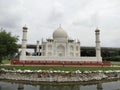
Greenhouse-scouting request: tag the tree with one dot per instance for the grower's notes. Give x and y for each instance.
(8, 44)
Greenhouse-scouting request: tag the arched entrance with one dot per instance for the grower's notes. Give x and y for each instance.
(60, 51)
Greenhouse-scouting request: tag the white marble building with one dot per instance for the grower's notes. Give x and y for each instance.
(60, 48)
(61, 45)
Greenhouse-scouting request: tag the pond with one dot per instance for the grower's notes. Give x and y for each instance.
(114, 85)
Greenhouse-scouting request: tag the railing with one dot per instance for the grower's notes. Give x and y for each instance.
(61, 63)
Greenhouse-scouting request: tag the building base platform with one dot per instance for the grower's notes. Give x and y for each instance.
(60, 63)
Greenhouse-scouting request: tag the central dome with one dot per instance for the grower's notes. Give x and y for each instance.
(59, 33)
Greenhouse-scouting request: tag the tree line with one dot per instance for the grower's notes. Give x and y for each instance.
(8, 45)
(107, 55)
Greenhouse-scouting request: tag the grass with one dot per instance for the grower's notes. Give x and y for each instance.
(6, 61)
(65, 68)
(115, 63)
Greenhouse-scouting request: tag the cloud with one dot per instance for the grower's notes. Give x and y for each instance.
(78, 17)
(56, 15)
(10, 14)
(87, 21)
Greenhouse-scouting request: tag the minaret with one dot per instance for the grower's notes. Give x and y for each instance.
(24, 42)
(99, 86)
(98, 49)
(20, 87)
(37, 48)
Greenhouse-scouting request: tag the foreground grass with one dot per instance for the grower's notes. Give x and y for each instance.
(6, 61)
(115, 63)
(65, 68)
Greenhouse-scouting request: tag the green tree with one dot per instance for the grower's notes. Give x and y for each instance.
(8, 45)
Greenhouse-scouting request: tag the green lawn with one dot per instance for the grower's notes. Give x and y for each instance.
(65, 68)
(115, 63)
(6, 61)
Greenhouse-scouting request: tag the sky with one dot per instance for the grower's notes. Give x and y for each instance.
(79, 18)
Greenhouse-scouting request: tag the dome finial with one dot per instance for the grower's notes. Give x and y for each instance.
(59, 25)
(25, 25)
(97, 27)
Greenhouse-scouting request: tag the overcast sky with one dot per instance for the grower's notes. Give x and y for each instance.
(79, 18)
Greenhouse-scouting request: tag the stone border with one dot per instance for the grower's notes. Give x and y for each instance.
(49, 76)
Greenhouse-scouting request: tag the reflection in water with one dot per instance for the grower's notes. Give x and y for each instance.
(99, 86)
(115, 85)
(71, 87)
(59, 87)
(20, 87)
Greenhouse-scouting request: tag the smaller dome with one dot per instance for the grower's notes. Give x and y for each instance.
(59, 33)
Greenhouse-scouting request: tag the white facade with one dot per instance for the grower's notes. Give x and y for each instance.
(24, 42)
(61, 48)
(61, 45)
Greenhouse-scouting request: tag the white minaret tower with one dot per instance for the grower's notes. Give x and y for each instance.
(24, 42)
(98, 49)
(37, 48)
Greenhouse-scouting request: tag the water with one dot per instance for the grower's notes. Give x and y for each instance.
(114, 85)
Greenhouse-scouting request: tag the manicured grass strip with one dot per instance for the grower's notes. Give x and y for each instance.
(115, 63)
(6, 61)
(65, 68)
